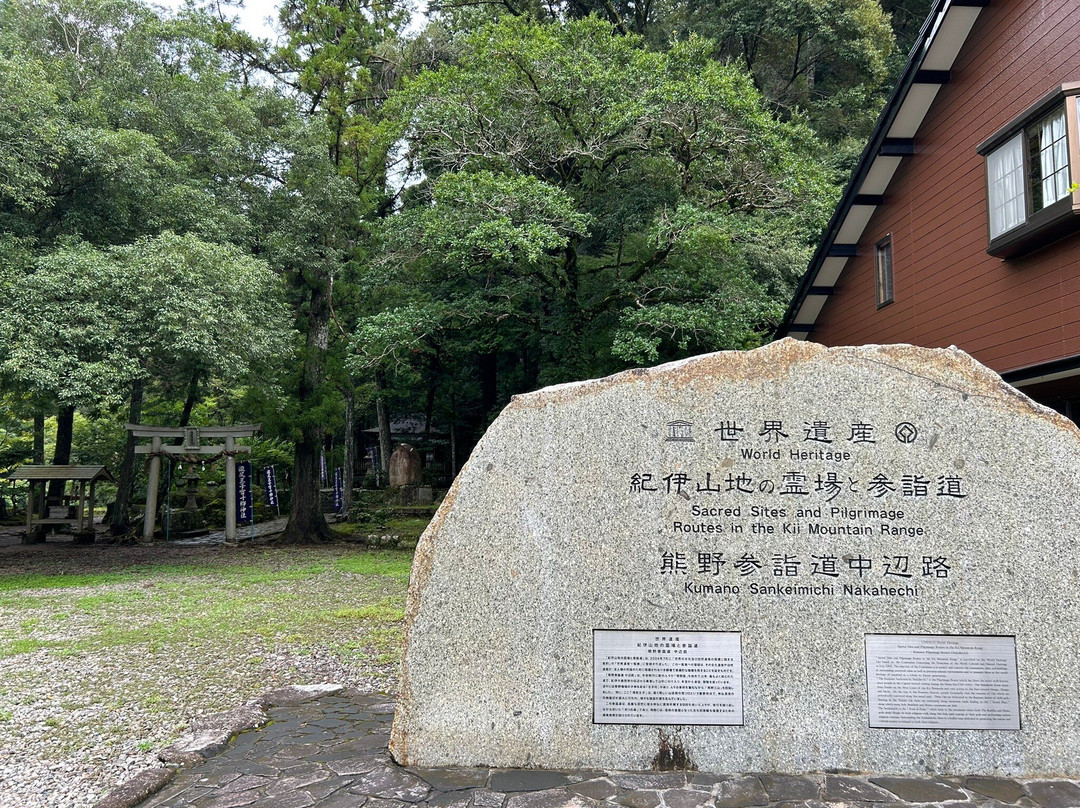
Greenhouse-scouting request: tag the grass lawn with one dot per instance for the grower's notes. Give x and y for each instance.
(107, 652)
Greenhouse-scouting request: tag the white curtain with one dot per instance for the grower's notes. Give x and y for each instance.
(1054, 158)
(1005, 170)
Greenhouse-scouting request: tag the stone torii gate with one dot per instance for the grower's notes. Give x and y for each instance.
(192, 445)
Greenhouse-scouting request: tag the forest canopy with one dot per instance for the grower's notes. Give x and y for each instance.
(364, 222)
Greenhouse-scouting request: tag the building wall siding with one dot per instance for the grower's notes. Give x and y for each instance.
(948, 291)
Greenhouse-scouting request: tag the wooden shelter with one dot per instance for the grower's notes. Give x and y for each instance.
(80, 513)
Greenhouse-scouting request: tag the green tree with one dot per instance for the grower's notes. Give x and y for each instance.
(137, 125)
(588, 202)
(122, 125)
(333, 61)
(831, 59)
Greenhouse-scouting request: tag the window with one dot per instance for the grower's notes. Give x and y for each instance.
(1032, 166)
(883, 265)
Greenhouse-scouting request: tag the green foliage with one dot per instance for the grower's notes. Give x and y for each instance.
(524, 193)
(589, 202)
(127, 124)
(481, 217)
(832, 59)
(65, 330)
(86, 322)
(271, 452)
(28, 132)
(139, 164)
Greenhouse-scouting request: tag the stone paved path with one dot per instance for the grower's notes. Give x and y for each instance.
(331, 753)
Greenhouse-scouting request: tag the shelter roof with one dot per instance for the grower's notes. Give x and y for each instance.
(410, 425)
(89, 474)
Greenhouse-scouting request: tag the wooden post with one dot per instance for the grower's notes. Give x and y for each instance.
(230, 488)
(29, 509)
(81, 507)
(151, 490)
(93, 483)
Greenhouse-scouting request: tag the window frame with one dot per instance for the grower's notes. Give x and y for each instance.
(1057, 219)
(886, 292)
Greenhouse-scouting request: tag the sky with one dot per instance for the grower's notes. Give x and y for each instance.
(257, 16)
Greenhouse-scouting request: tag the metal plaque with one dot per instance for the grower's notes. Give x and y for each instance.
(667, 677)
(942, 681)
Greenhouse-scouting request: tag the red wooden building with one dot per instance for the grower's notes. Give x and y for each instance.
(961, 224)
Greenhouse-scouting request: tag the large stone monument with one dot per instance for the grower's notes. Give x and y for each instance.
(793, 559)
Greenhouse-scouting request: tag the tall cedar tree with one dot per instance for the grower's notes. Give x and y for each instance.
(336, 185)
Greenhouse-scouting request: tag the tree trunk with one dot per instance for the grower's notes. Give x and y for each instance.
(530, 367)
(307, 524)
(578, 364)
(429, 407)
(489, 383)
(453, 436)
(125, 487)
(350, 451)
(39, 436)
(65, 422)
(384, 421)
(453, 452)
(191, 400)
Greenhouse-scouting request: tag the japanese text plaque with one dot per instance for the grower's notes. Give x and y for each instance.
(667, 677)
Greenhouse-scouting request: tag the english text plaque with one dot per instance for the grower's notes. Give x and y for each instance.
(938, 681)
(667, 677)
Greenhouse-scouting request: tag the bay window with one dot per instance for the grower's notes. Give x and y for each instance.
(1032, 166)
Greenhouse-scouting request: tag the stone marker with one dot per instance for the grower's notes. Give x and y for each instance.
(692, 565)
(404, 466)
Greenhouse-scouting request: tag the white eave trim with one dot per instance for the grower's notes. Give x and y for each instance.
(916, 104)
(950, 37)
(950, 32)
(880, 175)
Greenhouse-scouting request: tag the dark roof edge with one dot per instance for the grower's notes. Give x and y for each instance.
(858, 176)
(1068, 366)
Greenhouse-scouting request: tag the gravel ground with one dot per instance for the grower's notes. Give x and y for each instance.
(108, 674)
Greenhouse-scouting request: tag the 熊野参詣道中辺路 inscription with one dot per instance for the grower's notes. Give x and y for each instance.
(798, 498)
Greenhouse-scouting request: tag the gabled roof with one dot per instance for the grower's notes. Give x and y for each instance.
(940, 40)
(85, 474)
(409, 425)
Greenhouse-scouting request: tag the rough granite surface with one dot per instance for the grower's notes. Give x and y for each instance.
(548, 534)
